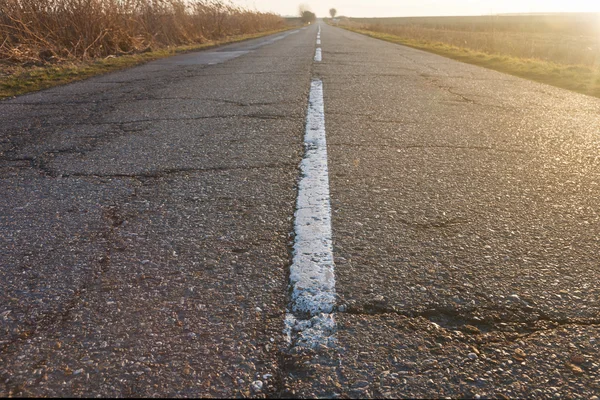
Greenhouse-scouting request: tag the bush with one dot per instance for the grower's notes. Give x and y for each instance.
(46, 30)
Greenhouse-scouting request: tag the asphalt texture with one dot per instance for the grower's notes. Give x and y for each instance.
(466, 229)
(146, 221)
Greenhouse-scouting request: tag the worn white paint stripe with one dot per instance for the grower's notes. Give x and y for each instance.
(318, 41)
(318, 57)
(310, 315)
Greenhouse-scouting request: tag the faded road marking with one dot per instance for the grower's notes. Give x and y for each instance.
(318, 55)
(310, 321)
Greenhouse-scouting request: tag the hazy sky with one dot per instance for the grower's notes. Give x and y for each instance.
(402, 8)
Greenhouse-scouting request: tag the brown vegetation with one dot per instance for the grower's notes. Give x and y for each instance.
(580, 78)
(571, 39)
(42, 31)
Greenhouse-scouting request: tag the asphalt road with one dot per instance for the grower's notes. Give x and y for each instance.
(147, 220)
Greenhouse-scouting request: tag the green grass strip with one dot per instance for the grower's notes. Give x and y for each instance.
(20, 80)
(578, 78)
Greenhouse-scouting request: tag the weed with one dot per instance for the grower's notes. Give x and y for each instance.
(44, 43)
(42, 31)
(18, 80)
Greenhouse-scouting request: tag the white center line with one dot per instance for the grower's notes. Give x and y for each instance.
(310, 321)
(318, 41)
(318, 55)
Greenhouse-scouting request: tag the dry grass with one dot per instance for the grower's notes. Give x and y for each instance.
(561, 50)
(16, 79)
(42, 31)
(571, 39)
(44, 43)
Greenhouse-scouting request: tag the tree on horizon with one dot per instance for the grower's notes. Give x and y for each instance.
(332, 12)
(306, 15)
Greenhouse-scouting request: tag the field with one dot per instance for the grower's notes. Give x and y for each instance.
(49, 42)
(559, 49)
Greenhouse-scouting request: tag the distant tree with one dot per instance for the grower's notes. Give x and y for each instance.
(306, 15)
(332, 12)
(302, 8)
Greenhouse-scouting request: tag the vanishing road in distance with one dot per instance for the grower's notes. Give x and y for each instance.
(281, 218)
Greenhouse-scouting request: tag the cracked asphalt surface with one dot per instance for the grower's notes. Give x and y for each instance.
(466, 229)
(140, 212)
(146, 221)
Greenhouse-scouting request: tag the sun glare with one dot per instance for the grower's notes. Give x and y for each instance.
(406, 8)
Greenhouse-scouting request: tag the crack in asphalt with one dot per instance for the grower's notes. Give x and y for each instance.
(424, 75)
(51, 319)
(379, 75)
(372, 118)
(40, 163)
(249, 104)
(215, 100)
(243, 73)
(475, 327)
(198, 118)
(484, 148)
(148, 98)
(435, 224)
(53, 103)
(171, 171)
(425, 146)
(462, 98)
(121, 124)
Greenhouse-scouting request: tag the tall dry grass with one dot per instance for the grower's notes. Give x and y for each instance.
(45, 30)
(570, 39)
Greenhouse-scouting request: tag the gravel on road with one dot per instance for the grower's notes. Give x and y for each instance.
(144, 223)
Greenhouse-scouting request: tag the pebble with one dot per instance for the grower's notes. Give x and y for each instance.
(575, 369)
(257, 386)
(577, 359)
(519, 353)
(430, 362)
(472, 356)
(472, 329)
